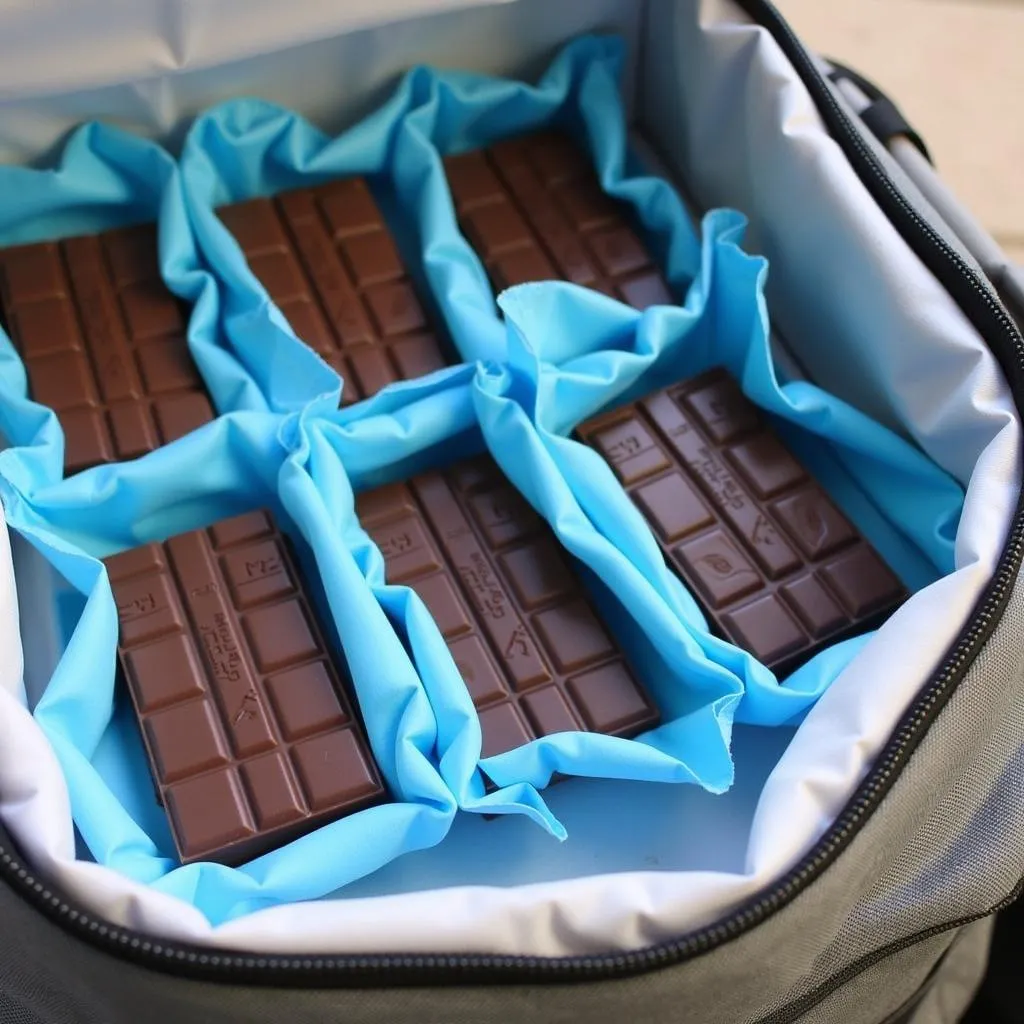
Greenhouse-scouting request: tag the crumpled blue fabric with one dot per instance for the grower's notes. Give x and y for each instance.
(571, 353)
(239, 462)
(107, 178)
(902, 502)
(246, 148)
(548, 358)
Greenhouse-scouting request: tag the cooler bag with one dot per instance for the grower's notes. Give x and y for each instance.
(831, 844)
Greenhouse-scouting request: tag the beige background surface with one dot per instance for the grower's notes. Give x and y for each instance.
(956, 69)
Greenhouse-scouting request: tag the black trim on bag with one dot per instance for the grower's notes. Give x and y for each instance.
(1000, 333)
(882, 118)
(795, 1010)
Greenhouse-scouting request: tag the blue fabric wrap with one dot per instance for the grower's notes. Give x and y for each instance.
(247, 148)
(108, 178)
(905, 505)
(570, 354)
(241, 461)
(559, 355)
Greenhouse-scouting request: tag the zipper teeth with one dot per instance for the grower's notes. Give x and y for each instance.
(281, 969)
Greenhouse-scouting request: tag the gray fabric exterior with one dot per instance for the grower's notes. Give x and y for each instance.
(956, 982)
(15, 1013)
(925, 188)
(946, 844)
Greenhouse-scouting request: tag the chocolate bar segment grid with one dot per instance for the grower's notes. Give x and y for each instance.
(779, 569)
(326, 258)
(534, 210)
(250, 735)
(531, 649)
(104, 343)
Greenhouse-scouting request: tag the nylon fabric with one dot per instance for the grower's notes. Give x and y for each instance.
(958, 977)
(965, 847)
(870, 997)
(951, 859)
(92, 46)
(13, 1013)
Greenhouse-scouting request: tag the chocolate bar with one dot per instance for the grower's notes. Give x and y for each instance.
(534, 210)
(779, 570)
(532, 207)
(104, 343)
(326, 258)
(532, 651)
(251, 738)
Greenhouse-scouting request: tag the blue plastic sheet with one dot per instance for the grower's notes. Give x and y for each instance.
(559, 355)
(108, 178)
(239, 462)
(905, 505)
(105, 177)
(571, 353)
(247, 148)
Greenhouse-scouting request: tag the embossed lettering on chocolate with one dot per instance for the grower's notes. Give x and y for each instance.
(533, 210)
(779, 570)
(532, 651)
(251, 737)
(104, 345)
(327, 259)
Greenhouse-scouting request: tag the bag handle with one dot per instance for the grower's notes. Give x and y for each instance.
(882, 117)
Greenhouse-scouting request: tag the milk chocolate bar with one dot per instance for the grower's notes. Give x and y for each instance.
(327, 259)
(533, 209)
(104, 343)
(779, 570)
(251, 737)
(531, 648)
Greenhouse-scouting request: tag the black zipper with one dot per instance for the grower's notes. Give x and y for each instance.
(1001, 334)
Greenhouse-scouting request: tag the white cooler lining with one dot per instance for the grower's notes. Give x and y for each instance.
(645, 863)
(151, 65)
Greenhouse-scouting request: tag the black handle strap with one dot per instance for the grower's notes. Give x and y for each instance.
(882, 117)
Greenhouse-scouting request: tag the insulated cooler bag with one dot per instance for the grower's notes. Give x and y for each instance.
(831, 844)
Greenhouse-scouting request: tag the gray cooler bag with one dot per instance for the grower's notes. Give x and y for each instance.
(854, 871)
